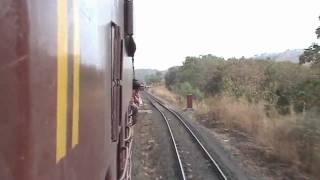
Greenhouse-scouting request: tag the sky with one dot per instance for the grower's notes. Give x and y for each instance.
(166, 31)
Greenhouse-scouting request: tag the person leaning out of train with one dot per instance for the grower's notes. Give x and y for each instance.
(136, 101)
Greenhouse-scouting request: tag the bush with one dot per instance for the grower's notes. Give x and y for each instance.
(186, 88)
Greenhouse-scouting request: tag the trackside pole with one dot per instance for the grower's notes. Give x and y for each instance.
(189, 101)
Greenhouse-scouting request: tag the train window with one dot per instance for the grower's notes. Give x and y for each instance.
(121, 60)
(116, 69)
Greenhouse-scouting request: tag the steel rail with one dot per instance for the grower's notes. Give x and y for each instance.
(220, 172)
(173, 141)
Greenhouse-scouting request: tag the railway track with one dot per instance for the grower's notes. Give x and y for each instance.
(195, 162)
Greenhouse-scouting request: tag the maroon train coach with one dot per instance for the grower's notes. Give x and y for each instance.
(66, 70)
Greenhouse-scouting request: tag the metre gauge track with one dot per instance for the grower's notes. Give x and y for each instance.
(195, 161)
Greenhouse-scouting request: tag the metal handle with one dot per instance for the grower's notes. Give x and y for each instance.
(128, 154)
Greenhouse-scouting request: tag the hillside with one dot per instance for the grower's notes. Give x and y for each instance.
(288, 55)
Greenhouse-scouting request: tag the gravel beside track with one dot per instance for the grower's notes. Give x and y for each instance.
(153, 156)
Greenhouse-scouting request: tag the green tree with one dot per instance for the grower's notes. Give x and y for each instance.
(154, 78)
(318, 31)
(186, 88)
(312, 53)
(171, 77)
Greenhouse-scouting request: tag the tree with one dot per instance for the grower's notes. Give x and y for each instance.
(312, 54)
(318, 31)
(154, 78)
(171, 77)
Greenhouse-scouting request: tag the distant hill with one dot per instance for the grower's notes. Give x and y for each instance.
(288, 55)
(142, 73)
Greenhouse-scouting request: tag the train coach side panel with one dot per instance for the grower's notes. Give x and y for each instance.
(55, 93)
(15, 139)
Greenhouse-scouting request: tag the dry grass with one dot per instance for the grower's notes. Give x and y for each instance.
(170, 97)
(251, 119)
(284, 135)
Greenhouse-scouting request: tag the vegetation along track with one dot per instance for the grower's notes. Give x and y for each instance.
(194, 159)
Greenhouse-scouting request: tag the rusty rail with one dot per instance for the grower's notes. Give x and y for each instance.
(182, 171)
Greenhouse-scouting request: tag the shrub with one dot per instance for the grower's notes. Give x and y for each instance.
(186, 88)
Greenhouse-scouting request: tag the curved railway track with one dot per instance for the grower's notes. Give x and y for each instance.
(195, 161)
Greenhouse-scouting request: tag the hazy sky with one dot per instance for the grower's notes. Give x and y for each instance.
(169, 30)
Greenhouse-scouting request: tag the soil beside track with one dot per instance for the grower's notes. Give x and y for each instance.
(153, 157)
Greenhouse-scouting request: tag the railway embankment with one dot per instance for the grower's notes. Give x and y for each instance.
(231, 144)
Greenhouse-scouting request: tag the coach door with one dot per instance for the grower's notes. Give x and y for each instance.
(116, 65)
(116, 106)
